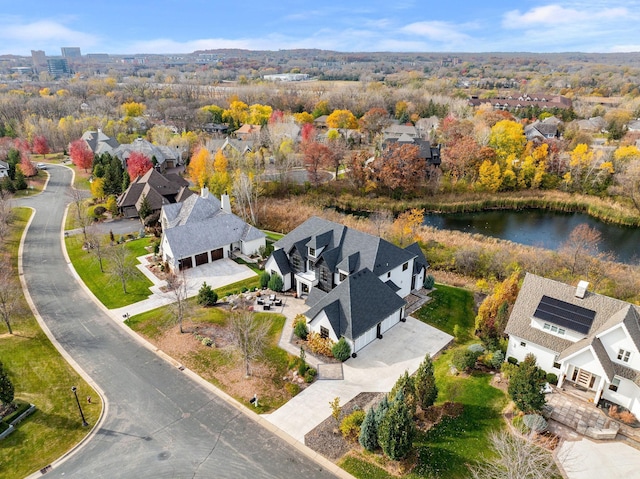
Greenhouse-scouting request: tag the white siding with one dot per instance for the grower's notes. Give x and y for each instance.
(322, 320)
(586, 360)
(617, 339)
(402, 279)
(252, 247)
(544, 357)
(569, 335)
(271, 265)
(624, 396)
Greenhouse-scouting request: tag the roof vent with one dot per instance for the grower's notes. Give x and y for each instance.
(581, 289)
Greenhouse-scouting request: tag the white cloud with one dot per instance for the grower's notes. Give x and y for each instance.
(550, 15)
(625, 48)
(441, 32)
(19, 37)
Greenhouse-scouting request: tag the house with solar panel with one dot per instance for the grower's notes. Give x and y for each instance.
(355, 284)
(590, 341)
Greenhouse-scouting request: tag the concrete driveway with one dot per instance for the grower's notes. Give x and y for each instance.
(586, 459)
(376, 369)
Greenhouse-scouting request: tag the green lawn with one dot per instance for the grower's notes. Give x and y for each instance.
(445, 450)
(449, 307)
(272, 235)
(107, 288)
(42, 377)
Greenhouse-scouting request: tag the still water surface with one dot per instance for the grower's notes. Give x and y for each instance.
(541, 228)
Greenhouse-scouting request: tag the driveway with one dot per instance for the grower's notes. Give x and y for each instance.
(159, 421)
(376, 369)
(587, 459)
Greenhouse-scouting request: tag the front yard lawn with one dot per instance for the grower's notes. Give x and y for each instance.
(106, 287)
(220, 363)
(449, 306)
(42, 377)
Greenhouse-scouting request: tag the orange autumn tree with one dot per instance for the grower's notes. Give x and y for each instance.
(200, 167)
(80, 154)
(405, 228)
(220, 181)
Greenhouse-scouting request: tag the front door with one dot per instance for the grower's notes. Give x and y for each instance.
(583, 378)
(379, 331)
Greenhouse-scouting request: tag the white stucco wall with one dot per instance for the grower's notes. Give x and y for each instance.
(544, 357)
(617, 339)
(322, 320)
(400, 278)
(271, 265)
(252, 247)
(625, 396)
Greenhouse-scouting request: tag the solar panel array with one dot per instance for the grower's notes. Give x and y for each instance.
(565, 314)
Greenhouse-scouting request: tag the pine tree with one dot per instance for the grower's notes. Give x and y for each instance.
(382, 409)
(20, 183)
(369, 431)
(396, 431)
(425, 384)
(145, 207)
(525, 386)
(405, 384)
(6, 387)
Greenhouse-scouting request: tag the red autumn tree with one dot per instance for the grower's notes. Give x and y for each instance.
(316, 156)
(308, 132)
(27, 167)
(138, 164)
(80, 154)
(40, 145)
(400, 168)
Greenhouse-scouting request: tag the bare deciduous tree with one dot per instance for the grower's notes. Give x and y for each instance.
(6, 214)
(177, 286)
(121, 264)
(10, 294)
(246, 190)
(582, 250)
(95, 245)
(517, 458)
(80, 210)
(249, 335)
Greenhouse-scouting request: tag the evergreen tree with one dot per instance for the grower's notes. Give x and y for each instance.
(206, 295)
(145, 207)
(405, 384)
(525, 385)
(396, 431)
(7, 185)
(425, 384)
(276, 283)
(6, 387)
(13, 159)
(382, 409)
(20, 183)
(369, 431)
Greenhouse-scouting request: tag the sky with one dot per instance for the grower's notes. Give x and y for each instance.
(184, 26)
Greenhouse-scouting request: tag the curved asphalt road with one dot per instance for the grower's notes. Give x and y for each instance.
(160, 423)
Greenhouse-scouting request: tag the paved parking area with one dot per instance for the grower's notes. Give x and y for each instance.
(376, 369)
(587, 459)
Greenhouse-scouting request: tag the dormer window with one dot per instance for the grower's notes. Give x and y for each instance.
(312, 252)
(554, 329)
(624, 355)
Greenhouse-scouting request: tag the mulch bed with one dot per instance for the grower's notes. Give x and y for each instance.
(326, 438)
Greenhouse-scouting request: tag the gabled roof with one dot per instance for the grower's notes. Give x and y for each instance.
(376, 254)
(4, 165)
(99, 143)
(148, 149)
(608, 312)
(282, 261)
(357, 304)
(158, 188)
(200, 224)
(421, 260)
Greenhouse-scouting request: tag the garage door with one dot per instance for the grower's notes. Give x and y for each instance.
(185, 263)
(365, 339)
(217, 254)
(202, 258)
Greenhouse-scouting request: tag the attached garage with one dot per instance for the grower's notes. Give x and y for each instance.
(217, 254)
(185, 263)
(202, 258)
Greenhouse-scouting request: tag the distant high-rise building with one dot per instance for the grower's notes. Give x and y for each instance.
(71, 52)
(39, 58)
(58, 67)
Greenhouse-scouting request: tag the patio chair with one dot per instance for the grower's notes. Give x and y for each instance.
(267, 307)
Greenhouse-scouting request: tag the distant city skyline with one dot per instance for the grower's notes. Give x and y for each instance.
(172, 26)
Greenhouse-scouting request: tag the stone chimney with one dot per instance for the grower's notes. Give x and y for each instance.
(226, 203)
(581, 289)
(204, 192)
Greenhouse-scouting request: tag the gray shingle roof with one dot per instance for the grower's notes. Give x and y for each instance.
(199, 224)
(140, 145)
(374, 253)
(282, 261)
(357, 304)
(609, 312)
(159, 189)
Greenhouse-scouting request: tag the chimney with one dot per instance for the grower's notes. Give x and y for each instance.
(581, 289)
(226, 203)
(204, 192)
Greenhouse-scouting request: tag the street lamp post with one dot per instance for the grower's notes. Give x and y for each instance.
(75, 393)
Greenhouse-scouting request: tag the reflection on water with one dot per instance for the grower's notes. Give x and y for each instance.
(541, 228)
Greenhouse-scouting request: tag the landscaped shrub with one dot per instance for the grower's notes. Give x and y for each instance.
(405, 387)
(512, 360)
(507, 369)
(525, 386)
(98, 211)
(369, 431)
(276, 283)
(292, 388)
(341, 350)
(207, 342)
(396, 430)
(497, 358)
(318, 344)
(429, 281)
(264, 279)
(350, 425)
(6, 387)
(464, 359)
(309, 375)
(425, 384)
(552, 378)
(300, 328)
(625, 416)
(207, 296)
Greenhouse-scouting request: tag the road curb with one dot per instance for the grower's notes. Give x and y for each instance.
(105, 405)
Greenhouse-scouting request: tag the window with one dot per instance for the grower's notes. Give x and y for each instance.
(615, 383)
(405, 266)
(554, 329)
(312, 251)
(342, 277)
(324, 332)
(546, 326)
(624, 355)
(389, 274)
(556, 364)
(324, 274)
(296, 262)
(523, 344)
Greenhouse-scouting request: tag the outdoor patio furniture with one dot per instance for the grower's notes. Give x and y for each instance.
(267, 307)
(278, 302)
(272, 297)
(260, 301)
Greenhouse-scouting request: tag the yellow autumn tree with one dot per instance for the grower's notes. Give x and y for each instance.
(507, 139)
(493, 312)
(97, 188)
(342, 119)
(259, 114)
(221, 181)
(489, 178)
(133, 108)
(303, 117)
(405, 227)
(624, 153)
(200, 167)
(236, 114)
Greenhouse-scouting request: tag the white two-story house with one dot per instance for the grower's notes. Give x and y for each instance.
(590, 341)
(355, 283)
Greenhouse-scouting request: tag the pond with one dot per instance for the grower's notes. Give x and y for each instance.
(546, 229)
